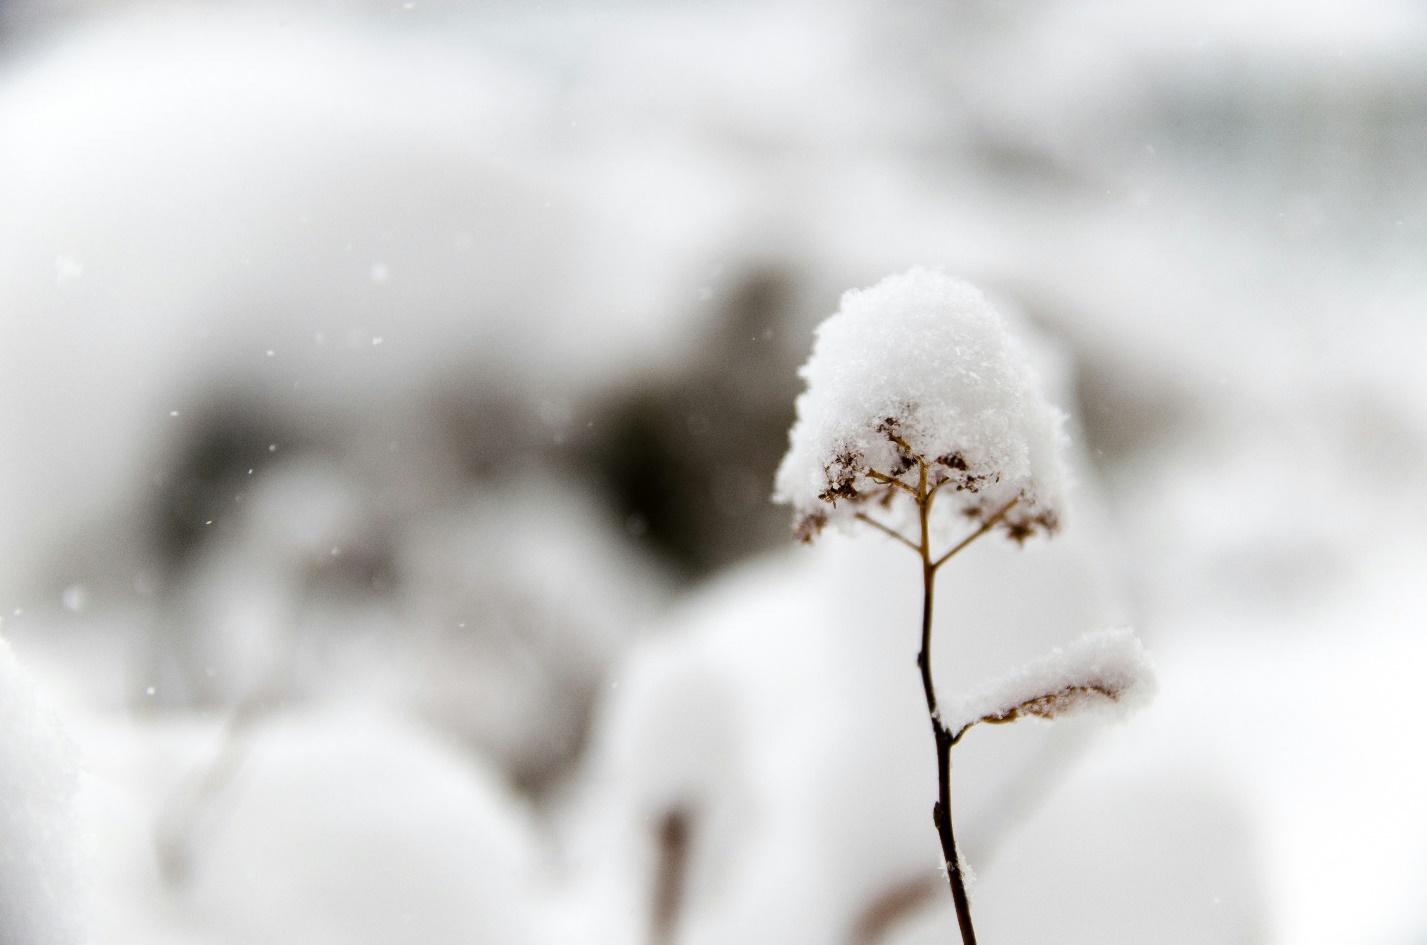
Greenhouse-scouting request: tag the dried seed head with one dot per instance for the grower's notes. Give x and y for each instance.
(921, 370)
(809, 526)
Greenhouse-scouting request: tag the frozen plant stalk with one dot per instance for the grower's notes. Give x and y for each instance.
(922, 414)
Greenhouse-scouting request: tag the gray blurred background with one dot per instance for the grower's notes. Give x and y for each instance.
(389, 399)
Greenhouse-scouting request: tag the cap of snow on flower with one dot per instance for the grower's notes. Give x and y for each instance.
(920, 372)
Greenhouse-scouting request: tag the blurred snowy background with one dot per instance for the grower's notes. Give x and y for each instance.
(389, 399)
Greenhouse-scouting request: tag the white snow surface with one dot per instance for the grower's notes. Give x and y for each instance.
(1078, 676)
(928, 352)
(38, 894)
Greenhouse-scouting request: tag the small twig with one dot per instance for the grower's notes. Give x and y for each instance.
(175, 831)
(892, 481)
(901, 444)
(886, 530)
(986, 526)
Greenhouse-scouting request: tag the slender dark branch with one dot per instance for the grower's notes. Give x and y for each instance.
(986, 526)
(892, 481)
(941, 810)
(886, 530)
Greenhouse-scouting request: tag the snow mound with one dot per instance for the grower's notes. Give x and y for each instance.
(38, 896)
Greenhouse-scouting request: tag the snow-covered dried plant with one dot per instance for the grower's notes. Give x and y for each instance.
(917, 391)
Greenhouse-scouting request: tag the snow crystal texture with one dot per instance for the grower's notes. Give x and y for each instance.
(1106, 668)
(925, 358)
(37, 783)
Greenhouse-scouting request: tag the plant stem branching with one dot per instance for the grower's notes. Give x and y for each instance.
(944, 738)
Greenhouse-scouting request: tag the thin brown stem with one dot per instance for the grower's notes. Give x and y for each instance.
(900, 443)
(891, 481)
(941, 810)
(887, 530)
(986, 526)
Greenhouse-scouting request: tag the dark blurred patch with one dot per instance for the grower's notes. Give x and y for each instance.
(673, 836)
(1124, 407)
(891, 907)
(1020, 162)
(1124, 413)
(488, 430)
(688, 460)
(225, 449)
(521, 645)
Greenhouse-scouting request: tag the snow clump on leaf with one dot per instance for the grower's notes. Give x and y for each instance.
(1107, 668)
(920, 370)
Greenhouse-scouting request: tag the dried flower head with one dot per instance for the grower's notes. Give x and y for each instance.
(920, 370)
